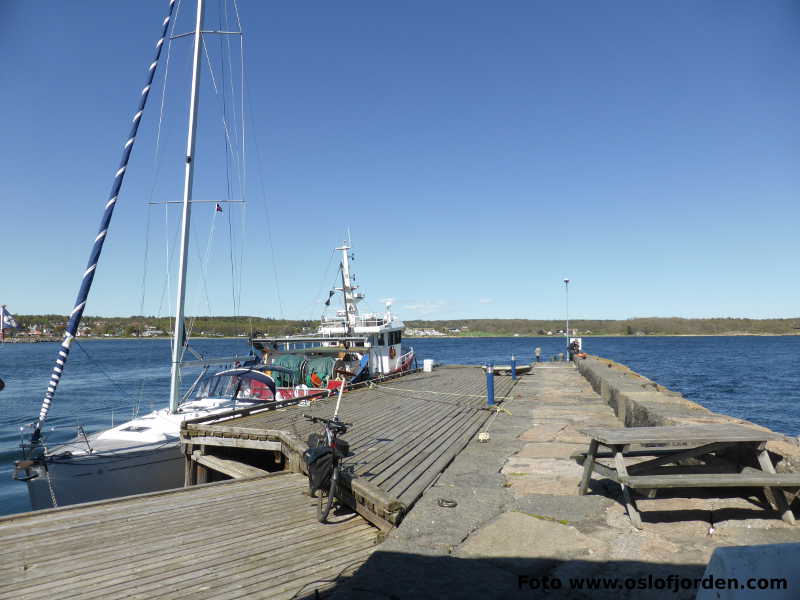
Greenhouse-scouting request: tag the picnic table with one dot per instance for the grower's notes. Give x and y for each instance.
(664, 447)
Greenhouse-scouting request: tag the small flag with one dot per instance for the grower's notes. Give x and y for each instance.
(219, 207)
(7, 319)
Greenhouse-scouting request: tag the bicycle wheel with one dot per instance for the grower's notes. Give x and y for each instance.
(326, 500)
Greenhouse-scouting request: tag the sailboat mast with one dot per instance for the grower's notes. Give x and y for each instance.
(179, 334)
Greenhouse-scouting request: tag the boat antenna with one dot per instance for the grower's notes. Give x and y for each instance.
(179, 334)
(97, 248)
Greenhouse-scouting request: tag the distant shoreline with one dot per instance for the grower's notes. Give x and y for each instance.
(421, 337)
(604, 335)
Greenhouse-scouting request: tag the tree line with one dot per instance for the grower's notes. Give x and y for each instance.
(152, 326)
(636, 326)
(247, 326)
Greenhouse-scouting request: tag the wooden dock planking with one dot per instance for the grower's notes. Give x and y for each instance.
(113, 515)
(100, 548)
(405, 431)
(246, 538)
(417, 445)
(65, 553)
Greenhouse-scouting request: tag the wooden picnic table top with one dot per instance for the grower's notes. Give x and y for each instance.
(680, 434)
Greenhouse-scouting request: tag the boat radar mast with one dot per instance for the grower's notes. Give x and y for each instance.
(349, 295)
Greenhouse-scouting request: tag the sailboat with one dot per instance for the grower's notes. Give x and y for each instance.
(143, 454)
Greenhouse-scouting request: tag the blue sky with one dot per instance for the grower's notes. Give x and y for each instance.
(479, 153)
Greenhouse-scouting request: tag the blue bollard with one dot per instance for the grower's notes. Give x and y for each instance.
(490, 384)
(513, 368)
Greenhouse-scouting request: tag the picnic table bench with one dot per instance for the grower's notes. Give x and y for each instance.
(665, 446)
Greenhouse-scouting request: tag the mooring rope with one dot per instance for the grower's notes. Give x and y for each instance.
(387, 387)
(94, 256)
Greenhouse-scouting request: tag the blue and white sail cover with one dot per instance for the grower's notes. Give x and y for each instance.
(94, 257)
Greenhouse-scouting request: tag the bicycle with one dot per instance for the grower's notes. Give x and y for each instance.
(323, 457)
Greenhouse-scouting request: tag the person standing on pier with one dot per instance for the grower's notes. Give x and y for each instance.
(573, 349)
(538, 354)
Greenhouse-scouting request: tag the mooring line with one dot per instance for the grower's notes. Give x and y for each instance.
(386, 387)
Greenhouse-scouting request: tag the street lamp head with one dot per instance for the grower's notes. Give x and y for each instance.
(566, 280)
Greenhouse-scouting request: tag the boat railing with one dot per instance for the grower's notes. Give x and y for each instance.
(359, 321)
(404, 357)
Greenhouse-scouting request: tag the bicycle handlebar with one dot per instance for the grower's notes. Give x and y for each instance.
(314, 419)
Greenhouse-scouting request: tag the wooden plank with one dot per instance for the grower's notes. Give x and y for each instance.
(237, 442)
(766, 464)
(623, 478)
(628, 454)
(676, 456)
(680, 434)
(744, 479)
(226, 466)
(588, 467)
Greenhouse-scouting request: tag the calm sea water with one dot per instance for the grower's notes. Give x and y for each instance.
(107, 381)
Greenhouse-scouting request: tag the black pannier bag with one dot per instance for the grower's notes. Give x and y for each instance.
(342, 448)
(342, 445)
(320, 466)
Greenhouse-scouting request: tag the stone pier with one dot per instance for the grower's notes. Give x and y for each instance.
(519, 529)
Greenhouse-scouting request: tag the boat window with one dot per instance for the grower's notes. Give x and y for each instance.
(216, 387)
(136, 428)
(380, 340)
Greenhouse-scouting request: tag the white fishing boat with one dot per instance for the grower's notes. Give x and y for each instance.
(143, 454)
(348, 346)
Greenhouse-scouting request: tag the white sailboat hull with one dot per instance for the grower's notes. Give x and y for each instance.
(101, 476)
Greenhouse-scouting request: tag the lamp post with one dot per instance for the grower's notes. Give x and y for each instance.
(566, 290)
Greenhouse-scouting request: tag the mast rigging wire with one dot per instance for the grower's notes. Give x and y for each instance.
(264, 205)
(105, 222)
